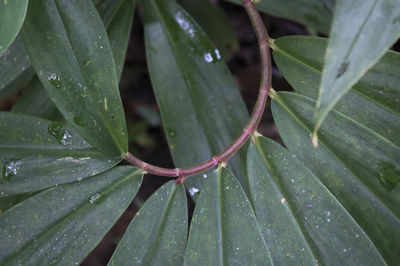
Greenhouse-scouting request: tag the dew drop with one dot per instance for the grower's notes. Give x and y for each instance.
(94, 199)
(205, 176)
(208, 57)
(193, 191)
(217, 54)
(57, 130)
(55, 80)
(10, 168)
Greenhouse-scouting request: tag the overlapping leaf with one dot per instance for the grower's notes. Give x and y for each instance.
(36, 153)
(360, 167)
(361, 33)
(215, 23)
(316, 14)
(200, 105)
(63, 224)
(224, 230)
(15, 69)
(84, 86)
(35, 101)
(301, 221)
(157, 234)
(12, 15)
(374, 99)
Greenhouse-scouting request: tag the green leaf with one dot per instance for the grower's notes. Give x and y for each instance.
(312, 226)
(35, 101)
(15, 69)
(377, 94)
(118, 19)
(311, 13)
(12, 15)
(215, 23)
(224, 230)
(118, 16)
(36, 153)
(361, 33)
(157, 234)
(8, 202)
(77, 69)
(359, 167)
(200, 105)
(63, 224)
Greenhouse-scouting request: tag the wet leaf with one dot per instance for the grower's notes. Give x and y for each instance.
(354, 162)
(373, 101)
(12, 15)
(157, 234)
(215, 23)
(63, 224)
(47, 154)
(201, 108)
(15, 69)
(224, 230)
(361, 33)
(77, 69)
(313, 227)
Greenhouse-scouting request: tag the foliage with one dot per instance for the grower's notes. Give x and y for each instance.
(331, 200)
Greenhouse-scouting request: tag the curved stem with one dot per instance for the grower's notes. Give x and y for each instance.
(255, 117)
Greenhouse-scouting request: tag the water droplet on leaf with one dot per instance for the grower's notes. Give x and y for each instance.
(94, 199)
(10, 168)
(55, 80)
(193, 191)
(57, 130)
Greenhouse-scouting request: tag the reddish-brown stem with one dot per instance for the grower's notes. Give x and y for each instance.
(255, 118)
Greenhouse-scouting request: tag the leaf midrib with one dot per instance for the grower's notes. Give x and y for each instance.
(98, 110)
(75, 211)
(321, 141)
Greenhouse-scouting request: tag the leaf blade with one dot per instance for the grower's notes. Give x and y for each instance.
(224, 230)
(71, 218)
(363, 166)
(183, 60)
(157, 234)
(47, 154)
(281, 186)
(12, 15)
(84, 87)
(371, 27)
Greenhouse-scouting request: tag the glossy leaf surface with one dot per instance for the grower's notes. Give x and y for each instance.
(35, 101)
(361, 33)
(15, 69)
(63, 224)
(215, 23)
(157, 234)
(47, 154)
(359, 167)
(374, 100)
(77, 69)
(12, 15)
(118, 18)
(224, 230)
(200, 105)
(315, 14)
(301, 221)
